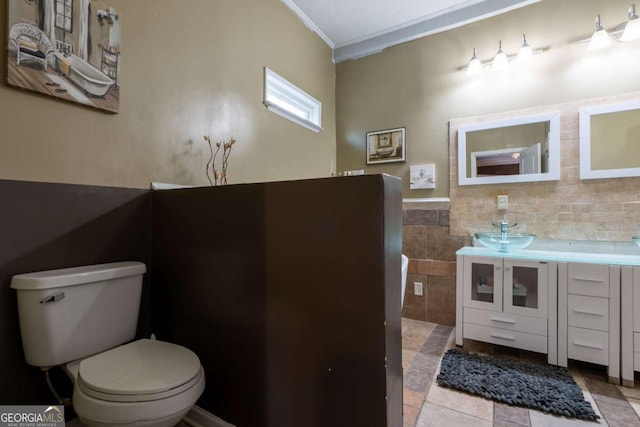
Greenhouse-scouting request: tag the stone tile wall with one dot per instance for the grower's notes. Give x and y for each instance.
(432, 262)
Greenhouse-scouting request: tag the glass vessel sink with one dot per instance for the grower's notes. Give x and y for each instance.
(513, 241)
(636, 240)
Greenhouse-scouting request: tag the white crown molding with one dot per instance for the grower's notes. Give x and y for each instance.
(418, 20)
(433, 25)
(308, 22)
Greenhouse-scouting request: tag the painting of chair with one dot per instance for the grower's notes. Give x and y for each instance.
(31, 44)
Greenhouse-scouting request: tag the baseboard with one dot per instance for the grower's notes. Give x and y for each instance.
(198, 417)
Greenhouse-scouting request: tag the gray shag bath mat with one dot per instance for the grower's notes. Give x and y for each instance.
(547, 388)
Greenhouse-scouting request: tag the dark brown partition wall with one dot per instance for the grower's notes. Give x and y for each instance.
(289, 292)
(45, 226)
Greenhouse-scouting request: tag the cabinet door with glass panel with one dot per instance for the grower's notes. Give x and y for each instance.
(506, 285)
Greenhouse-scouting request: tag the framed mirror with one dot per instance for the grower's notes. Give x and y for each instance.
(521, 149)
(610, 141)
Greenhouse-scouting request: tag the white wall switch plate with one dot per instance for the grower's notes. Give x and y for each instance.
(503, 202)
(417, 289)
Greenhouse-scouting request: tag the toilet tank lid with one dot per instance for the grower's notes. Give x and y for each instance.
(76, 275)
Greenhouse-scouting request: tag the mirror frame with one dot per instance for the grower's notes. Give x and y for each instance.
(585, 141)
(554, 150)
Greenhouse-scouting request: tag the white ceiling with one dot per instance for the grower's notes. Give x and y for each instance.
(355, 28)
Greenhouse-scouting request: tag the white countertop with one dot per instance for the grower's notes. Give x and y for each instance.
(613, 253)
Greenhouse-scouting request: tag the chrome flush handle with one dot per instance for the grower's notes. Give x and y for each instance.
(53, 298)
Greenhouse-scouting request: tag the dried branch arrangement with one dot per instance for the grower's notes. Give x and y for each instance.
(219, 176)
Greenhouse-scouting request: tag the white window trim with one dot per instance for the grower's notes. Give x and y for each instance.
(287, 93)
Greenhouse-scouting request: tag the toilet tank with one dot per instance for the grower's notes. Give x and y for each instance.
(72, 313)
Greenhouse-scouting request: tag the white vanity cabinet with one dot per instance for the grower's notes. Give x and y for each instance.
(586, 305)
(630, 322)
(505, 301)
(589, 315)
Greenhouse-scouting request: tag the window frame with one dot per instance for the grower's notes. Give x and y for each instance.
(64, 12)
(289, 101)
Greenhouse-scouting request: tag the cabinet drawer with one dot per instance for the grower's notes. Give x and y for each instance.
(512, 322)
(589, 312)
(588, 346)
(521, 340)
(589, 279)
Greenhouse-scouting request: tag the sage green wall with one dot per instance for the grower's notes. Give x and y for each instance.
(615, 140)
(419, 84)
(189, 68)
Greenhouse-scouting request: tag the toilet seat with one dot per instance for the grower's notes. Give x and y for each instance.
(113, 397)
(141, 371)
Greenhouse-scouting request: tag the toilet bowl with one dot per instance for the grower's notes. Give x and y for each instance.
(94, 310)
(143, 383)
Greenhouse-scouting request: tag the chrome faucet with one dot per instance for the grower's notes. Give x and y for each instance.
(504, 228)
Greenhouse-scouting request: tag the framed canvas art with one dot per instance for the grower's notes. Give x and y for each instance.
(385, 146)
(68, 49)
(422, 176)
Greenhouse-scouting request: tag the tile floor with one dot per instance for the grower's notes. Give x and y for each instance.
(428, 404)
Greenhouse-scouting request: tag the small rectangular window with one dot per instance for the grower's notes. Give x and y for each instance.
(291, 102)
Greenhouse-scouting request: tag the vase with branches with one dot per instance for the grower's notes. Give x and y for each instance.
(219, 176)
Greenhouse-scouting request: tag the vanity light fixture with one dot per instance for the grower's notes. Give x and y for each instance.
(600, 38)
(475, 66)
(500, 61)
(631, 27)
(626, 31)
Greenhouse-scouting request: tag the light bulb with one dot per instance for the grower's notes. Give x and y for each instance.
(525, 54)
(600, 37)
(475, 66)
(632, 27)
(500, 61)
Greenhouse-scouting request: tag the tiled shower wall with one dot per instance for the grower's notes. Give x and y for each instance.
(432, 262)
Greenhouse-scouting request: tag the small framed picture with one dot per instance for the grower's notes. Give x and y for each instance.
(422, 176)
(386, 146)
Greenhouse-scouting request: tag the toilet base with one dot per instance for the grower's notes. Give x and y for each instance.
(169, 421)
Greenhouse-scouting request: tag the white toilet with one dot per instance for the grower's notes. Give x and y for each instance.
(82, 317)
